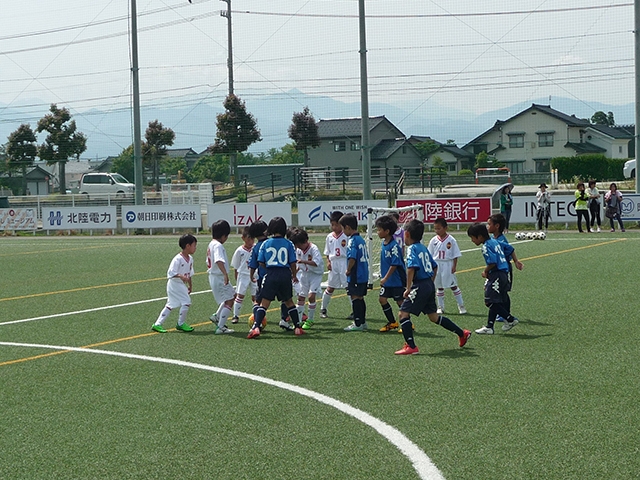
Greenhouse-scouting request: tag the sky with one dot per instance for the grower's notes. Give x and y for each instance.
(445, 58)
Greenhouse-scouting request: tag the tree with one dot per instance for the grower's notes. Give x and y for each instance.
(210, 168)
(63, 141)
(21, 151)
(237, 130)
(286, 155)
(484, 160)
(304, 132)
(427, 147)
(158, 138)
(173, 166)
(601, 118)
(123, 164)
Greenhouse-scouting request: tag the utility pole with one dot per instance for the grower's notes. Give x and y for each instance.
(137, 135)
(365, 146)
(227, 14)
(636, 37)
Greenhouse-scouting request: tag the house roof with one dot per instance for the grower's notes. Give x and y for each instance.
(456, 151)
(385, 148)
(585, 147)
(180, 152)
(621, 132)
(38, 173)
(346, 127)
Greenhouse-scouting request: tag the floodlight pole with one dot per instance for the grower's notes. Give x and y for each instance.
(365, 141)
(137, 135)
(636, 36)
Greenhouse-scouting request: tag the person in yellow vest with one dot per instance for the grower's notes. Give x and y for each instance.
(582, 208)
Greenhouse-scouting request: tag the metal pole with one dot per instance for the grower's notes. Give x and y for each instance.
(364, 108)
(137, 136)
(636, 35)
(227, 14)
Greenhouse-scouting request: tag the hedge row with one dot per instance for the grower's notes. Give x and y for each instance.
(588, 167)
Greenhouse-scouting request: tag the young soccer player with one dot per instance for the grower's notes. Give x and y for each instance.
(357, 272)
(398, 235)
(218, 268)
(179, 285)
(311, 269)
(278, 256)
(335, 249)
(392, 270)
(420, 293)
(244, 280)
(445, 251)
(496, 274)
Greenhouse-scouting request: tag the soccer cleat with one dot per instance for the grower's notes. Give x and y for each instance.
(389, 326)
(484, 331)
(223, 330)
(235, 319)
(285, 325)
(323, 313)
(365, 326)
(466, 335)
(185, 328)
(462, 310)
(307, 325)
(407, 350)
(214, 318)
(354, 328)
(509, 325)
(298, 331)
(158, 328)
(440, 310)
(253, 333)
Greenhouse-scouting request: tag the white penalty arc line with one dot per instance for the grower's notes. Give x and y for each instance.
(422, 464)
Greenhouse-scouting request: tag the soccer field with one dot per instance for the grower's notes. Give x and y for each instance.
(88, 391)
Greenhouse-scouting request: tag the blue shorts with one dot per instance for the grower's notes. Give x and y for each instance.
(496, 287)
(397, 293)
(357, 289)
(422, 298)
(277, 284)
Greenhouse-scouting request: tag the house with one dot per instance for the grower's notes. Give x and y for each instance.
(529, 140)
(38, 181)
(189, 155)
(454, 157)
(340, 148)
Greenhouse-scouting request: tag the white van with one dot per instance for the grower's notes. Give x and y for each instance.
(106, 183)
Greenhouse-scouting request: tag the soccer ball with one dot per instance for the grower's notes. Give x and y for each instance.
(252, 318)
(520, 236)
(530, 236)
(542, 235)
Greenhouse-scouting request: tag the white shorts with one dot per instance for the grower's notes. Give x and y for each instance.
(444, 277)
(221, 292)
(309, 284)
(337, 275)
(177, 293)
(243, 283)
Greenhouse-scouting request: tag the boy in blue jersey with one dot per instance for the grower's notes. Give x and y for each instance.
(357, 272)
(420, 292)
(393, 275)
(496, 274)
(278, 256)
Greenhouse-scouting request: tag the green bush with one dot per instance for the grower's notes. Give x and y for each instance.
(587, 167)
(465, 171)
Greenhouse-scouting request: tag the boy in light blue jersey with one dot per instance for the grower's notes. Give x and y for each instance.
(496, 273)
(357, 272)
(420, 292)
(392, 270)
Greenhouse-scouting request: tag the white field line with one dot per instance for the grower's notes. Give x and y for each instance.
(422, 464)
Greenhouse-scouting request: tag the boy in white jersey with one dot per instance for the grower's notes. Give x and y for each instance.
(335, 250)
(240, 264)
(218, 268)
(445, 251)
(179, 285)
(311, 268)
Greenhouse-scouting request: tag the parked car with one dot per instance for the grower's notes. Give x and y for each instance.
(106, 183)
(629, 169)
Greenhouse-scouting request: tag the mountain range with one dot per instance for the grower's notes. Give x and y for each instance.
(109, 132)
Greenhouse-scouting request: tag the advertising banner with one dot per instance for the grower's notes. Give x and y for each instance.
(79, 218)
(18, 219)
(161, 216)
(453, 210)
(317, 213)
(244, 214)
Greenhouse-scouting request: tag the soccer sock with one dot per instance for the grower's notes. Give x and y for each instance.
(407, 331)
(457, 294)
(293, 313)
(388, 312)
(326, 298)
(300, 309)
(237, 306)
(183, 314)
(219, 311)
(359, 311)
(224, 314)
(312, 311)
(258, 317)
(163, 315)
(254, 310)
(507, 304)
(284, 312)
(449, 325)
(440, 297)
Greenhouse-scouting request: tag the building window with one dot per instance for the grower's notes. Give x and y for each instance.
(516, 141)
(451, 167)
(339, 146)
(545, 139)
(375, 172)
(543, 165)
(479, 147)
(619, 148)
(515, 167)
(355, 145)
(404, 149)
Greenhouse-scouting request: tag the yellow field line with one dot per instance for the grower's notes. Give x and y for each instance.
(143, 335)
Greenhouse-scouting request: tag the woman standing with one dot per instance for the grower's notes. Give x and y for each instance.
(581, 207)
(594, 205)
(506, 203)
(612, 199)
(544, 206)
